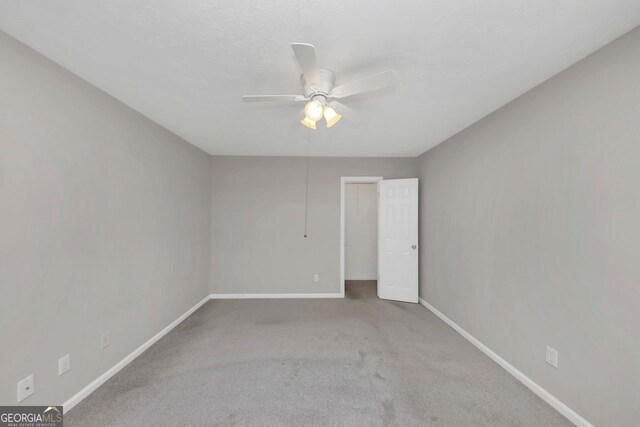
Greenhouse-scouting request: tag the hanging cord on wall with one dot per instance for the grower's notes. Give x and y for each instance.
(306, 192)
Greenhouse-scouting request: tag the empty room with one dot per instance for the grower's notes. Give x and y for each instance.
(305, 213)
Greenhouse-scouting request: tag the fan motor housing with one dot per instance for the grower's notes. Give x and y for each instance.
(327, 81)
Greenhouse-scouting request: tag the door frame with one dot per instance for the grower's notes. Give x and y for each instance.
(352, 180)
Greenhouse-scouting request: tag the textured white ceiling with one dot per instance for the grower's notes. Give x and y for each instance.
(185, 64)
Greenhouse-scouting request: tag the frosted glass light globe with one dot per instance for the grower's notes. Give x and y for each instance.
(313, 110)
(331, 116)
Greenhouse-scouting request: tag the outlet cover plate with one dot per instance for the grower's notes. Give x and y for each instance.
(26, 388)
(64, 364)
(105, 340)
(552, 357)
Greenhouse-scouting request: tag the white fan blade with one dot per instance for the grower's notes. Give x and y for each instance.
(345, 111)
(367, 84)
(273, 98)
(306, 56)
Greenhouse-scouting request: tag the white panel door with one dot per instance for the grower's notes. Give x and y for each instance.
(398, 240)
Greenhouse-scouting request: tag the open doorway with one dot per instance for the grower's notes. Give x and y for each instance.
(361, 238)
(395, 234)
(359, 235)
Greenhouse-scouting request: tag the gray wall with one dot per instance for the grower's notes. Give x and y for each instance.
(104, 218)
(530, 232)
(257, 243)
(361, 231)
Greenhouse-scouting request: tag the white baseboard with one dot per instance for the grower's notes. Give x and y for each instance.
(76, 398)
(569, 413)
(260, 296)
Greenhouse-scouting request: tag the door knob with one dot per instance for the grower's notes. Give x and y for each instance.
(413, 246)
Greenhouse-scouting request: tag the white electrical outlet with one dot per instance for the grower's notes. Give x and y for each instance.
(316, 278)
(105, 340)
(64, 364)
(26, 388)
(552, 357)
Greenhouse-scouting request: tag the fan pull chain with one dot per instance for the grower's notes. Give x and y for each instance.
(306, 194)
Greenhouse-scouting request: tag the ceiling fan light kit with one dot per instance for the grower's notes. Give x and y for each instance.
(320, 93)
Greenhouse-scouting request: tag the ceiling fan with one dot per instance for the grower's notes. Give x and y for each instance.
(320, 94)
